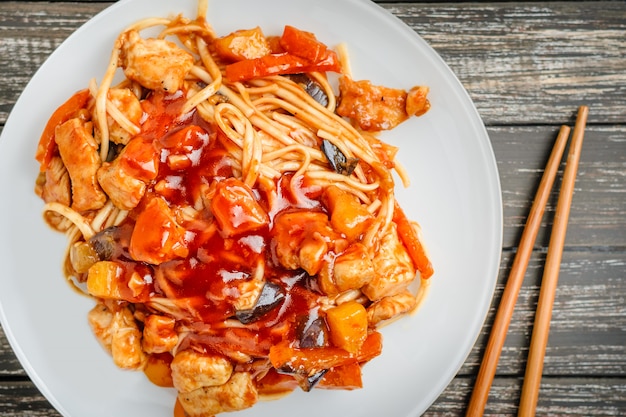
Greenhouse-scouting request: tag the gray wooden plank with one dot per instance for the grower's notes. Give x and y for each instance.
(588, 328)
(23, 399)
(9, 365)
(530, 63)
(31, 32)
(598, 214)
(557, 397)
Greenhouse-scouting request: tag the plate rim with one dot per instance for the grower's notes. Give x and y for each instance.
(479, 127)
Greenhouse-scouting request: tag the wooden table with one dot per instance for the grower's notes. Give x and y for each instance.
(527, 66)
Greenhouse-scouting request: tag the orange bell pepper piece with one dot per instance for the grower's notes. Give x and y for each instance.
(303, 44)
(67, 110)
(411, 241)
(345, 377)
(348, 326)
(285, 357)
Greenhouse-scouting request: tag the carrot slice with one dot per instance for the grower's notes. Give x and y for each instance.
(287, 358)
(411, 241)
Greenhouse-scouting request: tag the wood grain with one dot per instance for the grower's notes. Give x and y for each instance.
(527, 66)
(531, 63)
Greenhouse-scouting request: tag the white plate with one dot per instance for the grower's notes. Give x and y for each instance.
(455, 195)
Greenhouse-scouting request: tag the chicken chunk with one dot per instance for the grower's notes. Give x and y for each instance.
(237, 394)
(117, 331)
(159, 334)
(393, 266)
(157, 237)
(242, 44)
(236, 209)
(192, 370)
(57, 186)
(353, 268)
(301, 239)
(376, 108)
(124, 190)
(128, 104)
(156, 64)
(417, 102)
(126, 346)
(100, 318)
(79, 152)
(390, 307)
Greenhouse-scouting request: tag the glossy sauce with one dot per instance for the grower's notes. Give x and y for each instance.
(191, 159)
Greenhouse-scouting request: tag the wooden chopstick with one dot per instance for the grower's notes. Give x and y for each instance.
(541, 328)
(512, 287)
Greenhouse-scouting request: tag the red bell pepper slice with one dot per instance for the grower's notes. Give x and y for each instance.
(67, 110)
(303, 53)
(303, 44)
(279, 64)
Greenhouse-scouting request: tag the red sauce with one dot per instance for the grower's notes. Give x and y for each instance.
(191, 157)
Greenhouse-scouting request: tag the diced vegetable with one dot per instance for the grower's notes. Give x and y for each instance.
(289, 359)
(410, 239)
(275, 384)
(348, 326)
(82, 256)
(308, 382)
(67, 111)
(338, 161)
(312, 87)
(347, 214)
(158, 371)
(312, 331)
(345, 377)
(371, 348)
(100, 247)
(140, 159)
(103, 280)
(271, 296)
